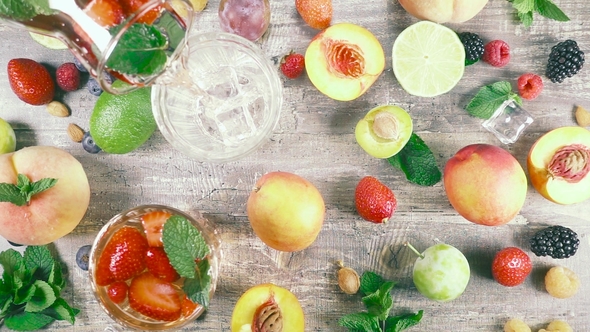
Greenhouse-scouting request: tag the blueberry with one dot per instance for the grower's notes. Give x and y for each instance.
(89, 145)
(94, 87)
(82, 257)
(80, 66)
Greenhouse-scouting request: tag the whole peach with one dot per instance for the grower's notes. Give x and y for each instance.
(485, 184)
(285, 211)
(443, 11)
(52, 213)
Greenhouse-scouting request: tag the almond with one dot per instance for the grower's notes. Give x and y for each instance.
(75, 132)
(56, 108)
(582, 116)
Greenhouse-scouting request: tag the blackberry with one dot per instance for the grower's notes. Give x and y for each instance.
(565, 60)
(555, 241)
(473, 47)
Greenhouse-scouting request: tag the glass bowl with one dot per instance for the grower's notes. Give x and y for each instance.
(122, 313)
(224, 100)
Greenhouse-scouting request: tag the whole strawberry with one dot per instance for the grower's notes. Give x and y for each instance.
(511, 266)
(67, 77)
(30, 81)
(316, 13)
(292, 65)
(374, 201)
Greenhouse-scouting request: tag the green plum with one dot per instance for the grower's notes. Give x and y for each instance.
(384, 131)
(7, 137)
(441, 273)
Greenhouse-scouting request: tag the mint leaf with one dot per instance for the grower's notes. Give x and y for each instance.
(56, 278)
(402, 322)
(21, 193)
(183, 243)
(42, 7)
(526, 18)
(197, 289)
(370, 282)
(523, 6)
(42, 298)
(17, 10)
(361, 321)
(39, 259)
(489, 98)
(27, 321)
(11, 261)
(11, 194)
(548, 9)
(140, 51)
(61, 310)
(380, 303)
(417, 162)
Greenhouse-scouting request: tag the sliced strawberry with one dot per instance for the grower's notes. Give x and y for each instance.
(122, 258)
(153, 223)
(158, 264)
(30, 81)
(132, 6)
(154, 297)
(188, 306)
(107, 13)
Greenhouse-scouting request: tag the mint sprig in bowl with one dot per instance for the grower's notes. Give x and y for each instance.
(192, 249)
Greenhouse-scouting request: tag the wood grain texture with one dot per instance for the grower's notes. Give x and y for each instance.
(315, 139)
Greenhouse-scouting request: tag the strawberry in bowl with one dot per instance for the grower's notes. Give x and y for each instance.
(154, 267)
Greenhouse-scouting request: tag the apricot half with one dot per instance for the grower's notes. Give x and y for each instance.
(267, 307)
(344, 60)
(558, 165)
(384, 131)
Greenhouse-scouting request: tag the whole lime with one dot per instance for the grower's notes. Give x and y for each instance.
(121, 123)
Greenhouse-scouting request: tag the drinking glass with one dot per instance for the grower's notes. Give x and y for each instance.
(133, 40)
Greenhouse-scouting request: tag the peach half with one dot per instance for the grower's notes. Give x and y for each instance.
(267, 307)
(344, 60)
(559, 163)
(443, 11)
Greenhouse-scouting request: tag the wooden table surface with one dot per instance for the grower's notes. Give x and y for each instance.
(315, 139)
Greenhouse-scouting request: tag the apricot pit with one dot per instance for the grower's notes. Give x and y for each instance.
(344, 60)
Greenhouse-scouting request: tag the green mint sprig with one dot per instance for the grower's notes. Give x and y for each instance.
(30, 290)
(489, 98)
(379, 303)
(21, 193)
(24, 9)
(417, 162)
(140, 51)
(546, 8)
(187, 250)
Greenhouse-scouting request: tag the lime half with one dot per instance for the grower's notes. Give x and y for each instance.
(49, 42)
(428, 59)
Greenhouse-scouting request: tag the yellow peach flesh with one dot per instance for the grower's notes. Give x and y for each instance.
(248, 303)
(353, 39)
(557, 189)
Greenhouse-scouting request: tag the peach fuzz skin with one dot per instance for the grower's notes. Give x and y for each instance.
(485, 184)
(285, 211)
(443, 11)
(53, 213)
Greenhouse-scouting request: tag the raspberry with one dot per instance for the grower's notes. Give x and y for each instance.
(561, 282)
(496, 53)
(511, 266)
(530, 86)
(293, 65)
(558, 326)
(516, 325)
(68, 77)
